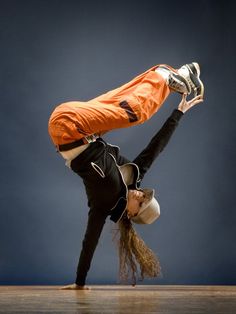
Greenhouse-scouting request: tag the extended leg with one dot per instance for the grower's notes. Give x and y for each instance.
(130, 104)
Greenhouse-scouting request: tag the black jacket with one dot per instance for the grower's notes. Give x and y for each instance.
(99, 167)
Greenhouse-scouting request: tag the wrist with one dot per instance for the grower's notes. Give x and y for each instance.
(177, 114)
(180, 108)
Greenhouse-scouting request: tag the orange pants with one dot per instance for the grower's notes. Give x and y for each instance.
(131, 104)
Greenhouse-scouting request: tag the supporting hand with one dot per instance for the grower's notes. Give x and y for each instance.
(185, 105)
(74, 286)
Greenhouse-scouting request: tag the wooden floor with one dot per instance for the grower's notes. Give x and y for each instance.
(119, 299)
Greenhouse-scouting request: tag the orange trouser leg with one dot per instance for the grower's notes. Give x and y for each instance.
(131, 104)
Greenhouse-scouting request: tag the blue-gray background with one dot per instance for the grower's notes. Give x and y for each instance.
(56, 51)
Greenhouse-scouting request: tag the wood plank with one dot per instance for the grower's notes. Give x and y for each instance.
(119, 299)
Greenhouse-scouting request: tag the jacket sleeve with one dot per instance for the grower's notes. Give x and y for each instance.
(96, 221)
(145, 159)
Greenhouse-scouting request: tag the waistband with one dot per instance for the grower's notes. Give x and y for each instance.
(85, 140)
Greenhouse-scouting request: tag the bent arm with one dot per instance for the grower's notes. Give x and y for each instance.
(145, 159)
(96, 221)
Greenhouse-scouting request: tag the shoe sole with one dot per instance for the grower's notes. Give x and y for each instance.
(194, 71)
(194, 68)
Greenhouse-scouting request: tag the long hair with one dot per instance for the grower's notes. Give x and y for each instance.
(136, 260)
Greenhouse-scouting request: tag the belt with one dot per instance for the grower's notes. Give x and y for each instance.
(85, 140)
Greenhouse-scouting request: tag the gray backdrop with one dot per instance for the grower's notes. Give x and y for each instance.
(56, 51)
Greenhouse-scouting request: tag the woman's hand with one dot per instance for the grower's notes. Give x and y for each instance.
(74, 286)
(185, 105)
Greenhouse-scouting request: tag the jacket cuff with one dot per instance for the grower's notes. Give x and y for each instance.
(177, 114)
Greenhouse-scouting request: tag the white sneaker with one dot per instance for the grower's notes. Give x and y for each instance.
(174, 80)
(191, 73)
(184, 80)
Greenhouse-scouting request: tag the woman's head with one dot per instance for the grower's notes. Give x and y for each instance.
(142, 207)
(135, 202)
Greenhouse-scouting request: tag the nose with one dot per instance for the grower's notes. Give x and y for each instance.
(138, 194)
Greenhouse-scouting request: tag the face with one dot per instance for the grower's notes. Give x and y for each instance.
(135, 201)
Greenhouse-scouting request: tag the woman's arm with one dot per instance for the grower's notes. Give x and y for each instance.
(96, 221)
(145, 159)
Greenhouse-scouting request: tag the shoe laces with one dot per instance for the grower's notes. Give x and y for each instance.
(177, 85)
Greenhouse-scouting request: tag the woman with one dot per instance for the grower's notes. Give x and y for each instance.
(111, 181)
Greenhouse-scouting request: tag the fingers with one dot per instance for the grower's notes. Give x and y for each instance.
(199, 97)
(196, 100)
(74, 287)
(68, 287)
(185, 105)
(184, 96)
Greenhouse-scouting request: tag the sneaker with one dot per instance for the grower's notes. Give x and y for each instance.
(175, 81)
(184, 80)
(191, 73)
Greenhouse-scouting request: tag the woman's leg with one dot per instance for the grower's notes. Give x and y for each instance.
(131, 104)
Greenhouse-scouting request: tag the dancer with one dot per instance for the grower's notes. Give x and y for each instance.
(111, 181)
